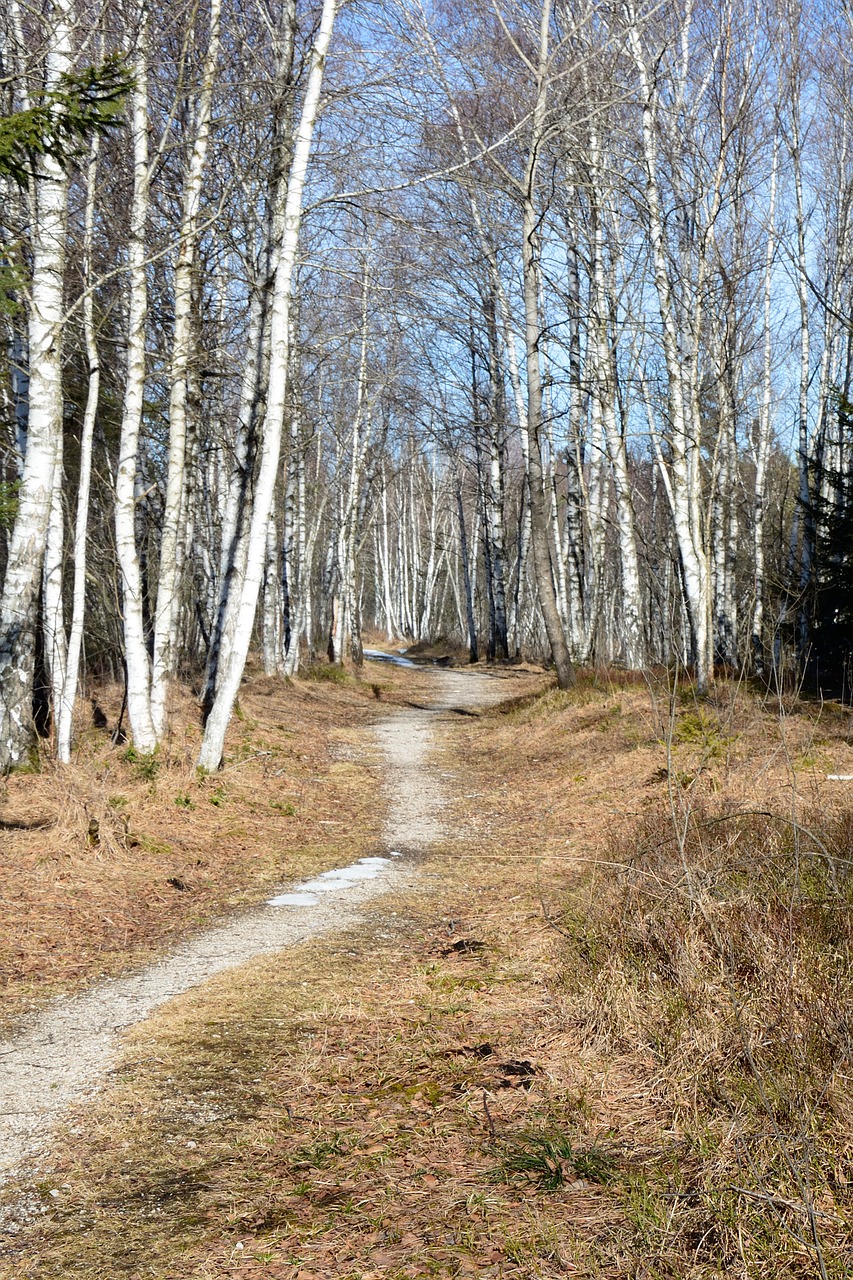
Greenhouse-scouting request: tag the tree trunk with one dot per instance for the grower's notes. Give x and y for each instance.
(213, 743)
(165, 622)
(681, 394)
(539, 506)
(764, 430)
(78, 597)
(25, 559)
(466, 575)
(136, 653)
(604, 357)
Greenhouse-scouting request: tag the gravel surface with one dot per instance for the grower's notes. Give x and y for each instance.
(64, 1052)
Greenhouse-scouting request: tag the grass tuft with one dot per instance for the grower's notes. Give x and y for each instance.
(552, 1161)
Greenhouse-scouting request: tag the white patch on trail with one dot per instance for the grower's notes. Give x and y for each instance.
(63, 1053)
(396, 659)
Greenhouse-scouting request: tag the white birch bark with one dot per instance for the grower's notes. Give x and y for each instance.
(21, 206)
(235, 506)
(136, 653)
(304, 540)
(597, 501)
(27, 544)
(301, 627)
(432, 564)
(271, 612)
(804, 497)
(254, 384)
(575, 494)
(392, 628)
(765, 426)
(681, 389)
(359, 440)
(539, 509)
(213, 743)
(78, 597)
(55, 640)
(165, 620)
(604, 355)
(496, 439)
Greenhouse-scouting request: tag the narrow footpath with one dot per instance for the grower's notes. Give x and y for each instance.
(66, 1051)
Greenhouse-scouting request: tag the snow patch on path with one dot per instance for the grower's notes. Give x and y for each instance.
(396, 659)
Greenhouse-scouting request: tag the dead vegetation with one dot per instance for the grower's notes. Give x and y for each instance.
(112, 858)
(717, 959)
(612, 1037)
(706, 964)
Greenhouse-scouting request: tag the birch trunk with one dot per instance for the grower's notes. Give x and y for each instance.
(301, 626)
(575, 561)
(473, 652)
(681, 393)
(342, 630)
(236, 522)
(55, 639)
(165, 621)
(765, 428)
(78, 598)
(26, 552)
(136, 653)
(392, 628)
(521, 569)
(632, 632)
(539, 507)
(271, 613)
(804, 496)
(496, 438)
(213, 743)
(237, 495)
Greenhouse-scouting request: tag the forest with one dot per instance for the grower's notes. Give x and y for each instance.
(520, 325)
(426, 640)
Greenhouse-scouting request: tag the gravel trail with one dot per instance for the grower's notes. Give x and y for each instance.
(65, 1051)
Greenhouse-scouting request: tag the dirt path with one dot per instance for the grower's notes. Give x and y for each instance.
(66, 1050)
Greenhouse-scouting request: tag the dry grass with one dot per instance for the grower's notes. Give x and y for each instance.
(659, 1031)
(720, 966)
(706, 962)
(344, 1111)
(126, 854)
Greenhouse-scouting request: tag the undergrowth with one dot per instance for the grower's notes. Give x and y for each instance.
(719, 947)
(613, 1041)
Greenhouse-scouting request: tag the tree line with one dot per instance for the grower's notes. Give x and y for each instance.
(525, 324)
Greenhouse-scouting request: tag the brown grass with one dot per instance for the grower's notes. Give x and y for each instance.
(671, 1017)
(706, 962)
(342, 1111)
(97, 882)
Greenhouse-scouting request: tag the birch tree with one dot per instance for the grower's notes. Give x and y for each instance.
(26, 553)
(68, 693)
(165, 623)
(137, 665)
(680, 350)
(220, 714)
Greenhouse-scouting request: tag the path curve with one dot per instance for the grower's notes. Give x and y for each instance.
(65, 1051)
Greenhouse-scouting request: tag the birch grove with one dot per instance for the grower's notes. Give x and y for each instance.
(518, 327)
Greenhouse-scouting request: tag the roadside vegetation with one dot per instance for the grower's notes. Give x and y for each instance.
(114, 857)
(608, 1036)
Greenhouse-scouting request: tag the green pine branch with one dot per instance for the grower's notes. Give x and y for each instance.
(84, 103)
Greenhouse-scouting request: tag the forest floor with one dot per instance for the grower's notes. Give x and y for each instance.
(604, 1031)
